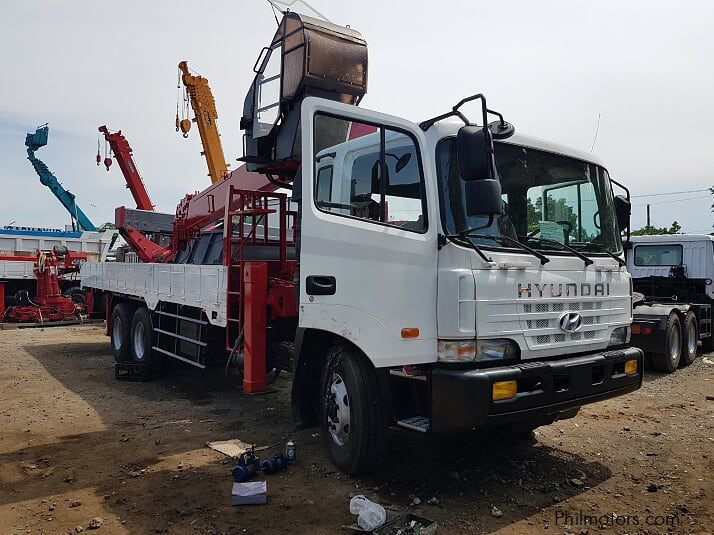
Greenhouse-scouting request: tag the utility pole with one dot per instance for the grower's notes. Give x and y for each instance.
(648, 215)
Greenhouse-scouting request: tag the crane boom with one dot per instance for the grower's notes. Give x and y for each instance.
(204, 108)
(123, 153)
(34, 142)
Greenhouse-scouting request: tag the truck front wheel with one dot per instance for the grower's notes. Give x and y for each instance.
(669, 360)
(690, 339)
(352, 418)
(120, 331)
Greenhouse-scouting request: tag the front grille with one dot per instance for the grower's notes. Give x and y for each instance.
(554, 310)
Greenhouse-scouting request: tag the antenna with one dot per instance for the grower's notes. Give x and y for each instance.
(597, 129)
(285, 5)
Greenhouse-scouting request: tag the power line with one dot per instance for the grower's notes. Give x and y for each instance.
(670, 193)
(674, 200)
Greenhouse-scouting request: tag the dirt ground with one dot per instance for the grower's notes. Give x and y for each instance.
(76, 444)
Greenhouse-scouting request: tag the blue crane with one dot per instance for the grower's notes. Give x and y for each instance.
(34, 142)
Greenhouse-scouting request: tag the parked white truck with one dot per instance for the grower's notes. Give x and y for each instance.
(435, 287)
(673, 273)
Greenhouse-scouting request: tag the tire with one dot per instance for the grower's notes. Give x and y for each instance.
(352, 419)
(142, 334)
(690, 339)
(119, 333)
(667, 362)
(708, 344)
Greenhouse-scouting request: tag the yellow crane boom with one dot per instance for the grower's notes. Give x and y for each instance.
(205, 115)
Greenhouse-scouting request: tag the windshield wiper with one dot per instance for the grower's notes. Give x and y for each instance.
(603, 249)
(469, 233)
(468, 243)
(577, 253)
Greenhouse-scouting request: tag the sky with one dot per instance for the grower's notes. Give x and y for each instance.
(551, 67)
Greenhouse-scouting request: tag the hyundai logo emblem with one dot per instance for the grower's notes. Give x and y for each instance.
(570, 322)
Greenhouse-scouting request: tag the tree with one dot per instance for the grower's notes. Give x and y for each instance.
(558, 210)
(649, 230)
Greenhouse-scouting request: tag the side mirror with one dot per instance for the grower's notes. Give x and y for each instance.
(473, 154)
(403, 161)
(623, 208)
(483, 198)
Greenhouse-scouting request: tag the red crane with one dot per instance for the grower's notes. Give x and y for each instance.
(123, 153)
(49, 304)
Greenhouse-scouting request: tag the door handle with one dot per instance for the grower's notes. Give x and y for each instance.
(320, 285)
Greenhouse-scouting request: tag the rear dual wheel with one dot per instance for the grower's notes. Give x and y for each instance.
(132, 337)
(690, 340)
(120, 333)
(669, 360)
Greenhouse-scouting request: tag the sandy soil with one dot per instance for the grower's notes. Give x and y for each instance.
(76, 444)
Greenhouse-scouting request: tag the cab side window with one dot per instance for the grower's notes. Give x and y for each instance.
(368, 172)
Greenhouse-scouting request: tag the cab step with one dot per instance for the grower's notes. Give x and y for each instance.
(415, 423)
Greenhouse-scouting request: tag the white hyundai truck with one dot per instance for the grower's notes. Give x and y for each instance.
(442, 277)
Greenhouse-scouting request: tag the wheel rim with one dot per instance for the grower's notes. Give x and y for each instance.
(138, 340)
(691, 339)
(116, 333)
(338, 410)
(675, 344)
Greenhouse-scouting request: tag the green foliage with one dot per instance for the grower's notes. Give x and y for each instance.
(649, 230)
(558, 210)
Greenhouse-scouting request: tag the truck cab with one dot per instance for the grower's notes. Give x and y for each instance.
(517, 323)
(672, 275)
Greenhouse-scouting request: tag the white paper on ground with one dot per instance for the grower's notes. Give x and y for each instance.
(250, 488)
(232, 448)
(249, 493)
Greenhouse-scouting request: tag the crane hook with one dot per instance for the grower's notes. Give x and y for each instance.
(107, 162)
(185, 125)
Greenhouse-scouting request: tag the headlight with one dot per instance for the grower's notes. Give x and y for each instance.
(476, 350)
(620, 336)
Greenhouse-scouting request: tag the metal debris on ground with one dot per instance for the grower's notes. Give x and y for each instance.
(408, 524)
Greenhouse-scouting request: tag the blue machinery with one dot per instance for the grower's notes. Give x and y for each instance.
(34, 142)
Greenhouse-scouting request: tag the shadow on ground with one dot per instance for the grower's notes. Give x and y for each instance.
(467, 474)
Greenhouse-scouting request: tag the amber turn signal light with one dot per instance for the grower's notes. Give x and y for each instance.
(410, 332)
(504, 390)
(631, 367)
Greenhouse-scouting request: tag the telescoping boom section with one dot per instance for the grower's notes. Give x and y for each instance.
(124, 155)
(47, 178)
(205, 116)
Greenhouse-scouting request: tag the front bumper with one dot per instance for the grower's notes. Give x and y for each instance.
(547, 390)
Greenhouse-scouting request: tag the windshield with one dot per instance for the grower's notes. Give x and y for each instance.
(550, 201)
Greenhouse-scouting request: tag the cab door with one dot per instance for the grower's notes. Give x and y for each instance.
(368, 251)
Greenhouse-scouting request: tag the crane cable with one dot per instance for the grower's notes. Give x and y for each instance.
(178, 97)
